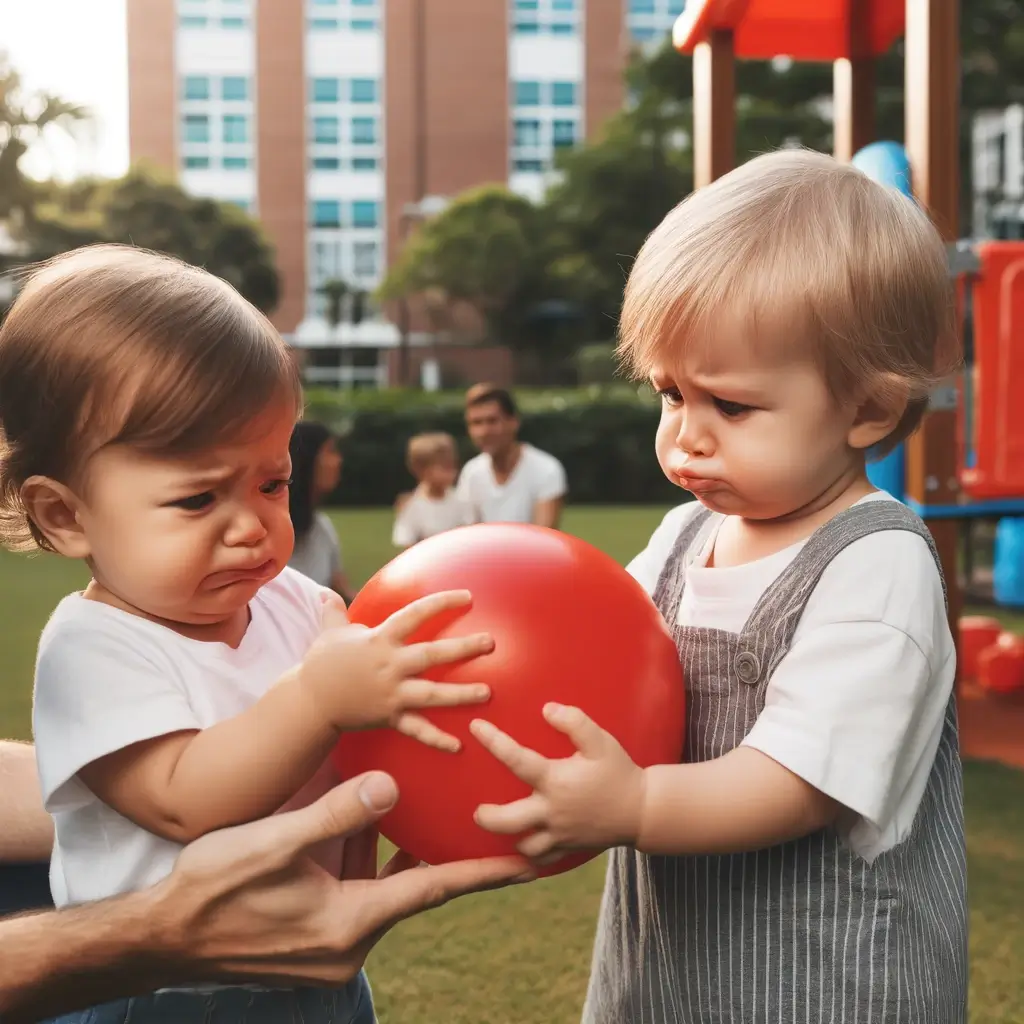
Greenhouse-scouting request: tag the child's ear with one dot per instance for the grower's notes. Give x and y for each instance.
(878, 415)
(54, 510)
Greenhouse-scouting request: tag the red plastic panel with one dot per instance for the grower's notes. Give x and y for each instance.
(812, 30)
(998, 414)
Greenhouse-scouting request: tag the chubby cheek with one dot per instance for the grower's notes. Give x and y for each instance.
(665, 442)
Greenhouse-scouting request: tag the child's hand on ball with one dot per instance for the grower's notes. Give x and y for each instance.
(591, 800)
(363, 678)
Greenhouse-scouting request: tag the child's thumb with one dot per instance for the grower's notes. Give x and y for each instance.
(334, 613)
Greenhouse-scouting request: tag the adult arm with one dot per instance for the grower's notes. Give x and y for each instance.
(27, 832)
(552, 488)
(243, 904)
(548, 513)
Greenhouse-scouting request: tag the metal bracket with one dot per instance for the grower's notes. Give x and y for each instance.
(962, 258)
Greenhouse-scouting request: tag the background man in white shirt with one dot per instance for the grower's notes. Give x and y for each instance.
(510, 481)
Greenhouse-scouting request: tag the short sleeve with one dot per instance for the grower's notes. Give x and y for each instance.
(404, 533)
(96, 692)
(334, 542)
(464, 485)
(857, 706)
(646, 567)
(551, 482)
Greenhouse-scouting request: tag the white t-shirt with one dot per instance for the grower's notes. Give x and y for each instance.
(856, 707)
(106, 679)
(537, 476)
(421, 516)
(318, 554)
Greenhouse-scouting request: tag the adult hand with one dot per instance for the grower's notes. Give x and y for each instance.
(247, 903)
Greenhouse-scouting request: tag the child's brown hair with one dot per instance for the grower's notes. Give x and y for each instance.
(803, 250)
(426, 449)
(115, 345)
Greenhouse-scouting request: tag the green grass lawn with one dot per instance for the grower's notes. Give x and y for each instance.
(521, 956)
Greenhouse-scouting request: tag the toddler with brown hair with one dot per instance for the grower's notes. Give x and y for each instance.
(433, 506)
(197, 682)
(806, 862)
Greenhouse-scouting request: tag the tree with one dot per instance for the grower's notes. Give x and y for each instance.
(24, 119)
(148, 209)
(481, 251)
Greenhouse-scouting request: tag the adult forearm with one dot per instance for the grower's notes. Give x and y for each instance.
(27, 833)
(248, 766)
(742, 801)
(59, 961)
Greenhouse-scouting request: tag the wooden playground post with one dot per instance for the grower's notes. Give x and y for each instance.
(714, 108)
(932, 78)
(853, 93)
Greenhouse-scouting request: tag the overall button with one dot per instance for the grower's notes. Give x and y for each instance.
(748, 668)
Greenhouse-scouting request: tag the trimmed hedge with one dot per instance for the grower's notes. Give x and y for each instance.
(603, 435)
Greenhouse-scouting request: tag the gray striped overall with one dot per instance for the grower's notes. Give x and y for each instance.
(805, 931)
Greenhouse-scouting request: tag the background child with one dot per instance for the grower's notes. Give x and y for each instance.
(197, 682)
(807, 862)
(316, 471)
(434, 506)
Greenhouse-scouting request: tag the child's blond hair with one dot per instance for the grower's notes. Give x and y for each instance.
(425, 450)
(795, 247)
(114, 345)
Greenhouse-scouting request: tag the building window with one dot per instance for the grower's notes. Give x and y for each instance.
(196, 163)
(563, 133)
(363, 3)
(324, 24)
(233, 22)
(364, 163)
(562, 28)
(326, 163)
(326, 213)
(364, 214)
(192, 21)
(325, 131)
(234, 88)
(527, 133)
(529, 166)
(325, 3)
(326, 90)
(363, 90)
(197, 87)
(527, 5)
(364, 25)
(197, 128)
(364, 131)
(235, 163)
(527, 28)
(236, 128)
(527, 94)
(566, 5)
(364, 259)
(642, 6)
(563, 94)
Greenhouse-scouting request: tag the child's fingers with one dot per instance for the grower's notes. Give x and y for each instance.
(539, 847)
(407, 620)
(422, 693)
(587, 736)
(526, 815)
(524, 763)
(416, 727)
(418, 658)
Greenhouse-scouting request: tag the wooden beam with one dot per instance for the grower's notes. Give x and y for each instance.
(853, 104)
(714, 108)
(932, 104)
(853, 90)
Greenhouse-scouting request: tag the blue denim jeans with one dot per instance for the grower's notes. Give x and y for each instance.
(352, 1004)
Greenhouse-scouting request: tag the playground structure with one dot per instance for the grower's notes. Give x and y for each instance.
(966, 462)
